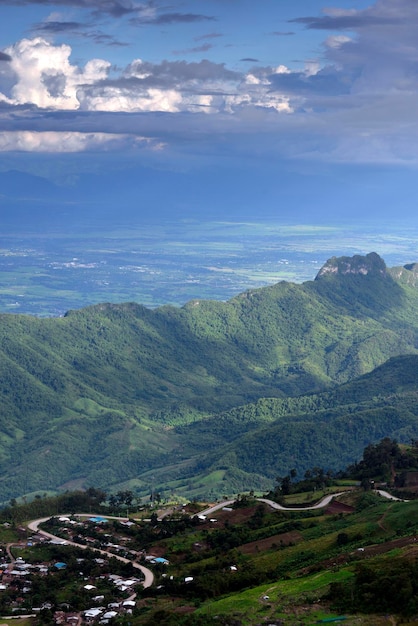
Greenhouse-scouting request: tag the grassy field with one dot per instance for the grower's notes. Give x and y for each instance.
(277, 601)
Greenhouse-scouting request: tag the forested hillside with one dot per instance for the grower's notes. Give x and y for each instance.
(116, 393)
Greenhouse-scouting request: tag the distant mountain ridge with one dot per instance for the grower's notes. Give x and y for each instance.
(117, 395)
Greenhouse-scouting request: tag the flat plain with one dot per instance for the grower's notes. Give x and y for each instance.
(50, 271)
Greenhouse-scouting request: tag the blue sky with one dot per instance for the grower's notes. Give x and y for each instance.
(274, 106)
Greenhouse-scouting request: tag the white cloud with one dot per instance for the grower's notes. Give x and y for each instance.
(312, 67)
(36, 63)
(136, 69)
(250, 79)
(281, 69)
(66, 142)
(357, 103)
(45, 76)
(94, 71)
(117, 99)
(336, 41)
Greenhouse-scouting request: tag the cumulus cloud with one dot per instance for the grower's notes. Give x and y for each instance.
(336, 41)
(108, 98)
(356, 102)
(45, 76)
(168, 86)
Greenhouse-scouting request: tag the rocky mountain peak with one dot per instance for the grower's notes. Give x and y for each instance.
(372, 263)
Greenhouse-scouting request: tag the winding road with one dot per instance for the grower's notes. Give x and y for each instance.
(148, 575)
(389, 496)
(274, 505)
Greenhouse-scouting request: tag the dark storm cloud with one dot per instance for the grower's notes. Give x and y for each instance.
(5, 57)
(249, 60)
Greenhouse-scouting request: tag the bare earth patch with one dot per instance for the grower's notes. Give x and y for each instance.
(336, 507)
(276, 541)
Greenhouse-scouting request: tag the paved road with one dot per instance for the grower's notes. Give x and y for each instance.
(274, 505)
(319, 505)
(385, 494)
(148, 575)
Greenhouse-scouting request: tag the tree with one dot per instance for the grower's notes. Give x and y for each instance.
(342, 539)
(285, 485)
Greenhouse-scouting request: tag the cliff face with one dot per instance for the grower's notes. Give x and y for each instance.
(407, 275)
(357, 265)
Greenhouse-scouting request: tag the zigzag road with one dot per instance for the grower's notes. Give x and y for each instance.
(274, 505)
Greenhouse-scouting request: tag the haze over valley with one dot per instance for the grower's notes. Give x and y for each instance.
(48, 270)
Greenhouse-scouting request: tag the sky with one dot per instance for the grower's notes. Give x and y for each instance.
(282, 108)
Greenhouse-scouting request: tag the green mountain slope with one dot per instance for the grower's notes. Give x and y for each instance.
(112, 393)
(268, 438)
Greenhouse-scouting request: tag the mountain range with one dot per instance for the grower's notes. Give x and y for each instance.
(214, 397)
